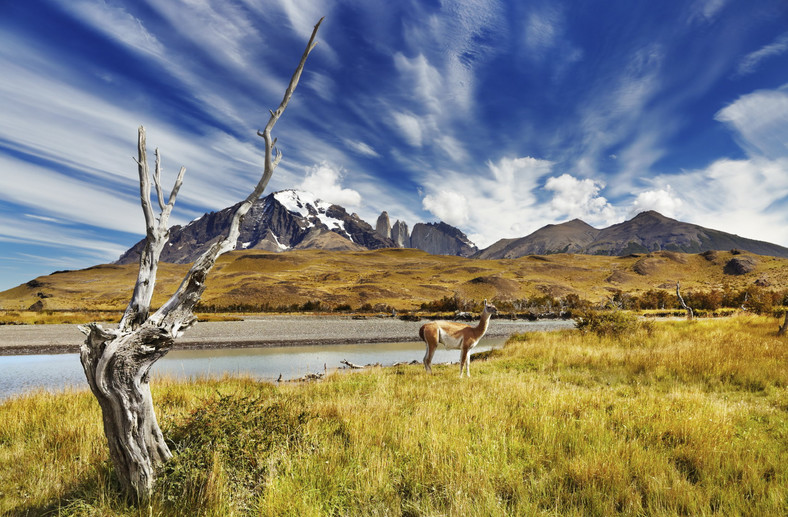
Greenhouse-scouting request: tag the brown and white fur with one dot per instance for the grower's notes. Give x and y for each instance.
(455, 336)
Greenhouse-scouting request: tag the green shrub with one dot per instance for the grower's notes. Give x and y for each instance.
(228, 446)
(608, 323)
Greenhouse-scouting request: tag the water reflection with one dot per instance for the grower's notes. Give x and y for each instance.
(22, 373)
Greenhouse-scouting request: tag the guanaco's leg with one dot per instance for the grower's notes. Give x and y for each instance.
(464, 361)
(429, 334)
(428, 356)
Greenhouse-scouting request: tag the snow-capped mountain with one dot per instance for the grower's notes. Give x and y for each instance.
(289, 219)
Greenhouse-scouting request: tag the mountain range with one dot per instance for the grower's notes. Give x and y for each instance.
(291, 220)
(646, 232)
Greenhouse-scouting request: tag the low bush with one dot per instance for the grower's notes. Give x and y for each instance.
(226, 450)
(609, 323)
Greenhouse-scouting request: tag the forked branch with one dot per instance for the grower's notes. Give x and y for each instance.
(156, 235)
(176, 313)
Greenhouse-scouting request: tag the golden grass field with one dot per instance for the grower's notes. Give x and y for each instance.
(399, 278)
(668, 418)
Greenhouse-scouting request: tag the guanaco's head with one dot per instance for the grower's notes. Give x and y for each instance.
(489, 308)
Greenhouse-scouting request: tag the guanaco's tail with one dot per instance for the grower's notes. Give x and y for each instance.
(421, 333)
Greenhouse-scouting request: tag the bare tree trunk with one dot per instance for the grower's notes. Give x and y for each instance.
(784, 327)
(681, 300)
(117, 366)
(117, 362)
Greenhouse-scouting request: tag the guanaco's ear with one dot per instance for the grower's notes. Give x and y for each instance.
(485, 301)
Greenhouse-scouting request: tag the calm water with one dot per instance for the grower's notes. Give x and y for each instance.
(22, 373)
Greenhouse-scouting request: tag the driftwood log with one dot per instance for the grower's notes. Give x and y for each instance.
(117, 362)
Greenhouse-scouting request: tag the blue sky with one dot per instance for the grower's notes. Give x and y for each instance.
(495, 116)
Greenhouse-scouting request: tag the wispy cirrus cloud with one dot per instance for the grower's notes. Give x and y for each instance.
(745, 196)
(118, 23)
(409, 127)
(612, 116)
(546, 39)
(361, 148)
(760, 119)
(751, 61)
(706, 10)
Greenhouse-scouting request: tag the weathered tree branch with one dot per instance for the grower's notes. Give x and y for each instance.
(350, 365)
(681, 301)
(176, 313)
(784, 327)
(117, 362)
(156, 236)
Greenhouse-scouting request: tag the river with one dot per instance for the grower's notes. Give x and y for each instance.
(22, 373)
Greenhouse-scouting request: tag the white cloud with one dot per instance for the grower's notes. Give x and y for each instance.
(46, 117)
(68, 241)
(409, 127)
(324, 181)
(546, 40)
(749, 196)
(222, 30)
(751, 61)
(448, 206)
(361, 148)
(706, 10)
(745, 197)
(117, 23)
(424, 81)
(223, 57)
(460, 34)
(497, 202)
(321, 84)
(664, 200)
(579, 198)
(761, 120)
(69, 199)
(304, 14)
(540, 31)
(617, 113)
(453, 148)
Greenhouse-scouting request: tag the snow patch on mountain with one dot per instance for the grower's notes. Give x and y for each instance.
(311, 208)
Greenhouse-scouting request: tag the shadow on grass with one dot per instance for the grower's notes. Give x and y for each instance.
(94, 495)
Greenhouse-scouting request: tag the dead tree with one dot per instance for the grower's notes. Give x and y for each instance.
(681, 301)
(117, 362)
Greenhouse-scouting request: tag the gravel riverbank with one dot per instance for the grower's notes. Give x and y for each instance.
(259, 331)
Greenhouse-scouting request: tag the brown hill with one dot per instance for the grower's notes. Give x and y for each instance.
(646, 232)
(400, 278)
(570, 237)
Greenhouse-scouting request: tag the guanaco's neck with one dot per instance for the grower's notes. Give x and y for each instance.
(484, 321)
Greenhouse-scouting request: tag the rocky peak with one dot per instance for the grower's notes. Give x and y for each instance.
(399, 234)
(383, 225)
(441, 239)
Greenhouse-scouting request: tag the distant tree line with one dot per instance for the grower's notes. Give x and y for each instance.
(754, 298)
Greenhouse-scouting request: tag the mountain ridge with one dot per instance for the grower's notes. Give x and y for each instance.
(646, 232)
